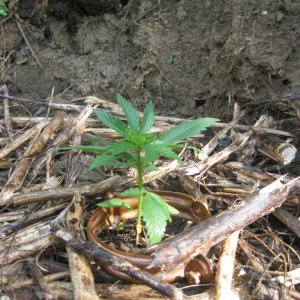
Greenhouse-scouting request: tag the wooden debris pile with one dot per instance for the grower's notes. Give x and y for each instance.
(45, 205)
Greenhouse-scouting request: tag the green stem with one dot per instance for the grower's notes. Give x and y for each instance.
(140, 199)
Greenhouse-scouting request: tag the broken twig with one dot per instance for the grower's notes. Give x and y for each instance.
(205, 235)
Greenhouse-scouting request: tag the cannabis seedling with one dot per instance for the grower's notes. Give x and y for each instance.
(139, 149)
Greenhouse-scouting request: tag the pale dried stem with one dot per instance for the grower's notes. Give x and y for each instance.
(277, 149)
(12, 215)
(289, 220)
(171, 120)
(74, 166)
(65, 193)
(22, 168)
(8, 124)
(226, 267)
(38, 278)
(79, 265)
(252, 260)
(202, 167)
(65, 135)
(26, 242)
(25, 220)
(289, 279)
(29, 282)
(108, 291)
(18, 21)
(213, 143)
(23, 138)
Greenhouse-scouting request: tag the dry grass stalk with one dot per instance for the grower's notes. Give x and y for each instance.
(80, 267)
(64, 136)
(226, 266)
(12, 215)
(25, 242)
(289, 278)
(214, 142)
(18, 21)
(39, 279)
(251, 259)
(11, 286)
(201, 168)
(277, 149)
(23, 166)
(77, 124)
(8, 124)
(64, 290)
(29, 218)
(21, 139)
(68, 121)
(289, 220)
(74, 166)
(241, 169)
(79, 108)
(65, 193)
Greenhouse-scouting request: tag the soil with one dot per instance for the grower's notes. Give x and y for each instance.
(192, 58)
(123, 236)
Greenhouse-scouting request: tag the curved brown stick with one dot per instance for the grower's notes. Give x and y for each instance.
(101, 256)
(189, 209)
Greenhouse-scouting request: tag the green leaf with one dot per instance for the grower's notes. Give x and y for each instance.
(186, 129)
(122, 164)
(148, 118)
(163, 204)
(114, 202)
(4, 11)
(155, 216)
(130, 157)
(97, 149)
(172, 210)
(93, 139)
(102, 160)
(167, 152)
(120, 147)
(130, 112)
(151, 168)
(156, 150)
(133, 192)
(112, 122)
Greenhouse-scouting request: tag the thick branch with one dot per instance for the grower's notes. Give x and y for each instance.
(203, 236)
(103, 256)
(64, 193)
